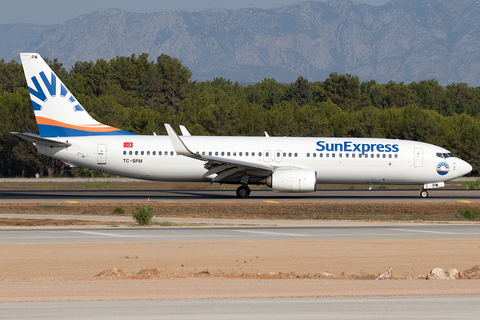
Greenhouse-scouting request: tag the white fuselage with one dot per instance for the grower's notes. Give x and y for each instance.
(336, 160)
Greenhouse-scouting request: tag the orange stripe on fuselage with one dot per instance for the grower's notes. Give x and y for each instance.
(88, 127)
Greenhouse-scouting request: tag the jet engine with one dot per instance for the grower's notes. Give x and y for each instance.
(297, 180)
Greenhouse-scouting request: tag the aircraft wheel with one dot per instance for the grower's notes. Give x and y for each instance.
(243, 192)
(423, 193)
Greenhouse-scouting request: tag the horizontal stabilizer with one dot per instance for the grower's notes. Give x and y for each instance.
(39, 140)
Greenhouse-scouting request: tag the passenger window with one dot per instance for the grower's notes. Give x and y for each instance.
(321, 155)
(141, 153)
(124, 152)
(359, 155)
(396, 156)
(166, 153)
(314, 155)
(284, 154)
(390, 156)
(228, 153)
(267, 154)
(328, 155)
(171, 153)
(347, 155)
(159, 153)
(378, 155)
(148, 153)
(210, 153)
(340, 155)
(353, 155)
(289, 154)
(234, 153)
(246, 154)
(216, 153)
(333, 155)
(136, 153)
(384, 156)
(240, 154)
(259, 154)
(308, 155)
(130, 152)
(253, 154)
(278, 154)
(154, 153)
(203, 153)
(223, 153)
(296, 154)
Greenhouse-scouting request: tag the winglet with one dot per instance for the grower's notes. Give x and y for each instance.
(178, 144)
(185, 132)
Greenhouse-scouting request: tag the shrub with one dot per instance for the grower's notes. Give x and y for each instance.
(475, 184)
(118, 210)
(470, 214)
(143, 215)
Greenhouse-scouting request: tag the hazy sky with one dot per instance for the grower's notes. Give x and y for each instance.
(57, 11)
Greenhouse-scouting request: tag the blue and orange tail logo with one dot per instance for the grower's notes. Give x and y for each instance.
(57, 112)
(443, 168)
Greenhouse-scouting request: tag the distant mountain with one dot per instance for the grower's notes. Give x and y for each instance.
(15, 36)
(403, 40)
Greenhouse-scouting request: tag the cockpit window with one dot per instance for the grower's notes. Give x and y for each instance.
(445, 155)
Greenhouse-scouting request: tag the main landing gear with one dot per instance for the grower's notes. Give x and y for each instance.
(423, 193)
(243, 192)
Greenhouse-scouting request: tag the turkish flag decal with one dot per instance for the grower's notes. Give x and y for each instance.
(128, 144)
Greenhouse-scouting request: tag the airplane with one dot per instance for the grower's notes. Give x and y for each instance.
(285, 164)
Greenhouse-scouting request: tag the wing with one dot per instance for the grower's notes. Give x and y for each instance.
(39, 140)
(224, 168)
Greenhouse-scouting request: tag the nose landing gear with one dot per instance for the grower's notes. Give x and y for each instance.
(423, 193)
(243, 192)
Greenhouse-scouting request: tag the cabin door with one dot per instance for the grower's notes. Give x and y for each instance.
(102, 154)
(418, 161)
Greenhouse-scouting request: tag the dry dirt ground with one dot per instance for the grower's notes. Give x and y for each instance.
(293, 211)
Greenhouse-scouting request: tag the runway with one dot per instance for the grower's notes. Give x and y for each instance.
(387, 231)
(228, 196)
(307, 308)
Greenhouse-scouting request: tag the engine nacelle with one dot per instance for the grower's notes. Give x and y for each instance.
(297, 180)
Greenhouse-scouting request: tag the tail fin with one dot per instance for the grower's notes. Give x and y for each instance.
(57, 112)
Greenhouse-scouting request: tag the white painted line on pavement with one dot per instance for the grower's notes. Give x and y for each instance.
(425, 231)
(274, 233)
(107, 234)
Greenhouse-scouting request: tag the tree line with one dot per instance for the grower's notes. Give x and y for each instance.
(139, 95)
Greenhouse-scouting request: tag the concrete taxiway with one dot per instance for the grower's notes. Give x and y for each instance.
(367, 231)
(307, 308)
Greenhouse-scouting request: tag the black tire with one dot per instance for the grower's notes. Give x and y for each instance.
(423, 193)
(243, 192)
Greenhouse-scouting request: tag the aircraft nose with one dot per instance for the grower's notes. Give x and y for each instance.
(463, 168)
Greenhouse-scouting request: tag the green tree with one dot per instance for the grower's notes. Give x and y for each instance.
(173, 81)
